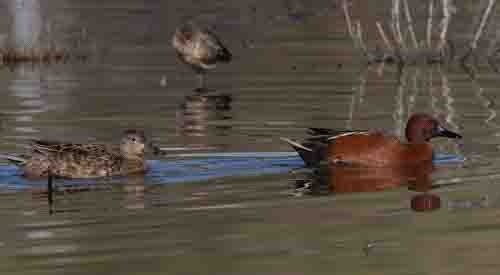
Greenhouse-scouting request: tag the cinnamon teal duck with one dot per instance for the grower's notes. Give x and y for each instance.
(373, 148)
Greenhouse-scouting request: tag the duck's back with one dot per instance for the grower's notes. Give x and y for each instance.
(376, 150)
(199, 47)
(70, 160)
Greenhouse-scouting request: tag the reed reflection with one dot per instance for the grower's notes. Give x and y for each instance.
(204, 114)
(335, 179)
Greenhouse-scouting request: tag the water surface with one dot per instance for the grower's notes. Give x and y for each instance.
(294, 67)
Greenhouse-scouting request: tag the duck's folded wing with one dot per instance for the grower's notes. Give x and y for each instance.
(314, 131)
(47, 146)
(325, 135)
(54, 147)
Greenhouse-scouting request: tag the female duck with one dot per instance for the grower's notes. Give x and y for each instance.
(371, 148)
(70, 160)
(200, 48)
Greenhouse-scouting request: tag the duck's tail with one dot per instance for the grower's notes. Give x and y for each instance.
(311, 156)
(322, 131)
(18, 160)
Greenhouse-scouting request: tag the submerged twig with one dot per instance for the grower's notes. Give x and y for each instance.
(381, 31)
(399, 111)
(409, 21)
(469, 70)
(403, 47)
(492, 52)
(445, 22)
(479, 31)
(361, 43)
(396, 26)
(484, 20)
(429, 23)
(347, 17)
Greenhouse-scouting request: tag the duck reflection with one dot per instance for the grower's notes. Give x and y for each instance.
(203, 114)
(334, 179)
(66, 196)
(134, 193)
(425, 202)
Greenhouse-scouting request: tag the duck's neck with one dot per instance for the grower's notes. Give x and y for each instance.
(133, 158)
(134, 164)
(417, 152)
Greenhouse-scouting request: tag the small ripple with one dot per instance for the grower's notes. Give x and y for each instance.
(28, 130)
(39, 234)
(32, 103)
(215, 207)
(51, 249)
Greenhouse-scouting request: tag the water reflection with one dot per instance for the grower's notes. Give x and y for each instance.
(482, 202)
(34, 90)
(26, 27)
(28, 87)
(135, 192)
(64, 196)
(204, 114)
(424, 200)
(334, 179)
(35, 35)
(2, 121)
(487, 102)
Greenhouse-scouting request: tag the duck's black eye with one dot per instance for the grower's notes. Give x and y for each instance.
(134, 139)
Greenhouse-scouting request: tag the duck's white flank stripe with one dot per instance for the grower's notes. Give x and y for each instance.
(296, 144)
(349, 134)
(13, 158)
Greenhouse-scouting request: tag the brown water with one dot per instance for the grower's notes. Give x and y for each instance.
(294, 67)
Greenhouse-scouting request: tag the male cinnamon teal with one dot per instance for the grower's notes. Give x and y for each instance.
(70, 160)
(200, 48)
(373, 148)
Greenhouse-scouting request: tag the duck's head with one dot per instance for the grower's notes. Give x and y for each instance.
(133, 143)
(423, 127)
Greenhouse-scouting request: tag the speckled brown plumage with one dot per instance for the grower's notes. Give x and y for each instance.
(70, 160)
(199, 47)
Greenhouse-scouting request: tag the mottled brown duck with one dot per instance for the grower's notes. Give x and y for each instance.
(72, 160)
(200, 48)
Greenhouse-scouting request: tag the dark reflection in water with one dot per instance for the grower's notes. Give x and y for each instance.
(336, 179)
(425, 202)
(57, 196)
(203, 114)
(63, 196)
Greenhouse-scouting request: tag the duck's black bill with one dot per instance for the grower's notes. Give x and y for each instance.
(447, 133)
(156, 150)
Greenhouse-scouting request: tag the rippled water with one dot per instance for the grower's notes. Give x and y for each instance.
(202, 209)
